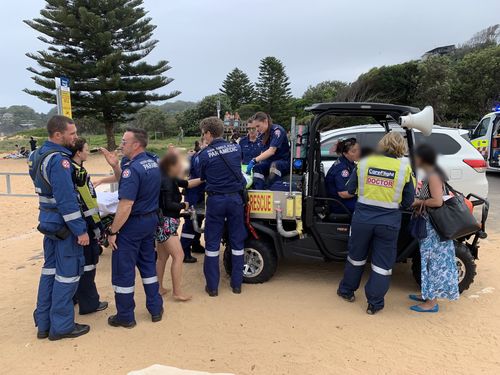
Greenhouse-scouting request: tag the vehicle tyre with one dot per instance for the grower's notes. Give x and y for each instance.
(465, 264)
(260, 261)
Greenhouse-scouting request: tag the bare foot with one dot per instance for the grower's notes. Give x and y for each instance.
(163, 291)
(181, 298)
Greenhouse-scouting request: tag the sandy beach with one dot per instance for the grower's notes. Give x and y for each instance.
(294, 324)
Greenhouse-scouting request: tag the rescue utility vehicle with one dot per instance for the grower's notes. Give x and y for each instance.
(298, 221)
(486, 139)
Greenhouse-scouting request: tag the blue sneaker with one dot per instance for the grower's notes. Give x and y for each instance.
(415, 297)
(417, 308)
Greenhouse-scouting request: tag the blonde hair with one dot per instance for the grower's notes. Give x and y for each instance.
(393, 143)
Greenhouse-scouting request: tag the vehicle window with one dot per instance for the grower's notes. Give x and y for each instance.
(328, 146)
(481, 128)
(442, 143)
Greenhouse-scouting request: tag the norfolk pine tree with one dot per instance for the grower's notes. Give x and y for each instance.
(238, 88)
(273, 91)
(100, 45)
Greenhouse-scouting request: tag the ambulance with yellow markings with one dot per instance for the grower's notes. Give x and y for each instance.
(486, 139)
(296, 222)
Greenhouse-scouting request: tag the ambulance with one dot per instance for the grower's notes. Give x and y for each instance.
(486, 139)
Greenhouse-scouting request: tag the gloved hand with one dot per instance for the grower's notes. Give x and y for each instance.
(250, 166)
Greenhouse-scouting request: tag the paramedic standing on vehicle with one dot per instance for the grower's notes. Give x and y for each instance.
(274, 161)
(250, 145)
(131, 235)
(220, 164)
(65, 232)
(384, 183)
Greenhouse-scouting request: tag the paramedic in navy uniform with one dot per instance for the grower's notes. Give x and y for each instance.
(250, 144)
(274, 161)
(131, 235)
(220, 168)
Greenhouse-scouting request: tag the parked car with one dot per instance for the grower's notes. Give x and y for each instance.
(464, 165)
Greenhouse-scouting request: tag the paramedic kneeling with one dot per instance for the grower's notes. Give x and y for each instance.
(274, 161)
(384, 183)
(220, 168)
(131, 235)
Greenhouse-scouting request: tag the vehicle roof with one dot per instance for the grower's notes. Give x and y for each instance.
(378, 128)
(377, 110)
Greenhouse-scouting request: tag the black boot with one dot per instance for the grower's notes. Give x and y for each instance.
(372, 310)
(79, 330)
(190, 259)
(157, 318)
(113, 321)
(211, 293)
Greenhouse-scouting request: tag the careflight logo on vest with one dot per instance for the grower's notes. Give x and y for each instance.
(221, 150)
(380, 177)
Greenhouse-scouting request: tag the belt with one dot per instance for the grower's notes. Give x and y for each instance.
(146, 214)
(210, 193)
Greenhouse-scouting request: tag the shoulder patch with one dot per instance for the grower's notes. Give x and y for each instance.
(126, 173)
(345, 173)
(66, 164)
(277, 133)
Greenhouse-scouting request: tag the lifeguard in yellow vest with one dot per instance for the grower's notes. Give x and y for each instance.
(384, 184)
(86, 295)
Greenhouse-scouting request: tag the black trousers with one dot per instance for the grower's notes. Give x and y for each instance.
(86, 295)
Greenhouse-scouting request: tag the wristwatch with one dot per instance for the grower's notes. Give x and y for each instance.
(109, 233)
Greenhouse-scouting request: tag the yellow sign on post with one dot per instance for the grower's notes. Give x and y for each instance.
(63, 97)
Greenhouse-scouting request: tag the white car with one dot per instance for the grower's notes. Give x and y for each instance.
(463, 164)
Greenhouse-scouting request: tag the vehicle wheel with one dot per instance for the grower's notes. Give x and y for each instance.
(260, 262)
(465, 264)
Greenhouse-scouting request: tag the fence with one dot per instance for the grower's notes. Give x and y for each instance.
(9, 192)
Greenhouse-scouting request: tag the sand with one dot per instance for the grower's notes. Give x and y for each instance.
(294, 324)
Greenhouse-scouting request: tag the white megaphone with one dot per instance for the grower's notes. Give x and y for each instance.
(423, 121)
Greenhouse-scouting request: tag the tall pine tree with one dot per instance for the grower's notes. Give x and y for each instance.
(238, 88)
(273, 91)
(100, 45)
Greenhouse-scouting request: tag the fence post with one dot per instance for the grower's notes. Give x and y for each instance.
(7, 180)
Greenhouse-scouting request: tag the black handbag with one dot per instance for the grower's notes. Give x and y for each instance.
(453, 219)
(418, 224)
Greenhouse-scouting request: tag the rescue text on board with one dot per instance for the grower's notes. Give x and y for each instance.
(261, 202)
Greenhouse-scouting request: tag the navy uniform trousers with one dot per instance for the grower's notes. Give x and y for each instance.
(135, 244)
(61, 272)
(222, 208)
(274, 169)
(382, 240)
(86, 295)
(189, 237)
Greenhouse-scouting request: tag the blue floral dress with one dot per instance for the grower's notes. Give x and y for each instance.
(439, 269)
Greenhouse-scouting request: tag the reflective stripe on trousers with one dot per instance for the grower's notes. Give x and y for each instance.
(67, 280)
(123, 290)
(381, 271)
(357, 263)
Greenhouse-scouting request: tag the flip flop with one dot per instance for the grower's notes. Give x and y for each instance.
(417, 308)
(415, 297)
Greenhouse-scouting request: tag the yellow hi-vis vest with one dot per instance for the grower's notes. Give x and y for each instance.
(88, 197)
(381, 180)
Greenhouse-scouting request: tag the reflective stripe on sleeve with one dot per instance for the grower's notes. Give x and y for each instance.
(356, 263)
(44, 165)
(48, 271)
(47, 200)
(258, 175)
(72, 216)
(237, 252)
(381, 271)
(67, 280)
(123, 290)
(212, 253)
(88, 268)
(91, 212)
(150, 280)
(361, 177)
(187, 235)
(401, 180)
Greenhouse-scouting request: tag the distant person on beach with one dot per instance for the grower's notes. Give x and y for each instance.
(180, 137)
(32, 144)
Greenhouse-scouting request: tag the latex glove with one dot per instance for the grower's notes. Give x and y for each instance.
(250, 166)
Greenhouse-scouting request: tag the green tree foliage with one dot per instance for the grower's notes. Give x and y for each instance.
(100, 45)
(476, 87)
(324, 92)
(434, 85)
(273, 89)
(238, 88)
(153, 119)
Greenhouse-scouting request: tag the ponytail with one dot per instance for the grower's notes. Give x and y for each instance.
(261, 117)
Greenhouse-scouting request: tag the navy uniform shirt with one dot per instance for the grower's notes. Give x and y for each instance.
(140, 182)
(379, 215)
(195, 194)
(336, 180)
(153, 156)
(278, 139)
(249, 149)
(219, 178)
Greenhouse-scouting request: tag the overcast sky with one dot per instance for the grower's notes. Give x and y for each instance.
(317, 40)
